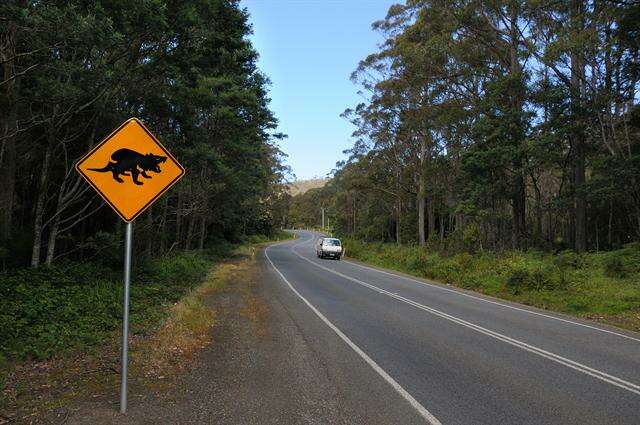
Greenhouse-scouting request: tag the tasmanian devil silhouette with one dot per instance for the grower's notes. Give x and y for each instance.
(125, 162)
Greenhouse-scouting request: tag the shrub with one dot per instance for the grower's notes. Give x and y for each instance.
(519, 280)
(50, 309)
(614, 266)
(568, 259)
(471, 236)
(541, 279)
(623, 262)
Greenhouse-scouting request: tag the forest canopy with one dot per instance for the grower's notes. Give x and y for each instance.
(72, 71)
(494, 124)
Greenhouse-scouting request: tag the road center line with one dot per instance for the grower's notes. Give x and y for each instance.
(584, 325)
(603, 376)
(412, 401)
(512, 307)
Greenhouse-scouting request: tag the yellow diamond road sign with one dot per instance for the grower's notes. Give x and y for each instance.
(130, 169)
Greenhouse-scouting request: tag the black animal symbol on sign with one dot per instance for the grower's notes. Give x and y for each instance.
(126, 162)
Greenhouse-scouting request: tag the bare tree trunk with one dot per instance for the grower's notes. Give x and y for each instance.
(519, 213)
(398, 220)
(354, 214)
(179, 219)
(398, 207)
(163, 224)
(518, 201)
(431, 215)
(203, 233)
(51, 244)
(538, 236)
(190, 231)
(150, 233)
(8, 155)
(421, 193)
(610, 225)
(39, 211)
(7, 188)
(69, 192)
(577, 136)
(421, 203)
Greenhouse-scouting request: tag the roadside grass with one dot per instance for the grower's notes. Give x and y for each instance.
(278, 235)
(186, 329)
(170, 321)
(603, 286)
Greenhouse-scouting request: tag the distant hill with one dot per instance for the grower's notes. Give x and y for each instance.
(301, 186)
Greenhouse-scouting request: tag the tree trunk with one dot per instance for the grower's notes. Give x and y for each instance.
(203, 233)
(39, 211)
(190, 232)
(163, 225)
(354, 214)
(150, 233)
(421, 193)
(398, 218)
(518, 201)
(431, 215)
(577, 137)
(51, 244)
(398, 207)
(421, 207)
(178, 219)
(8, 155)
(8, 159)
(539, 234)
(519, 213)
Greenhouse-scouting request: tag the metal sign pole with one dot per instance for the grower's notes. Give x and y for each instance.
(125, 319)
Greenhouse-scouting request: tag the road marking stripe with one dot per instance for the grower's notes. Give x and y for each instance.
(414, 403)
(495, 302)
(603, 376)
(524, 310)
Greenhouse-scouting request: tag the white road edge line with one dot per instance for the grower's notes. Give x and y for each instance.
(495, 302)
(603, 376)
(412, 401)
(524, 310)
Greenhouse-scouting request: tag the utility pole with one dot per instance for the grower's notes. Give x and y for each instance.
(322, 217)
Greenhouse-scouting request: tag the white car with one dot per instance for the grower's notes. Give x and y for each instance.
(329, 247)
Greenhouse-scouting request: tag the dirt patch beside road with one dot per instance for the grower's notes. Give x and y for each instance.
(270, 361)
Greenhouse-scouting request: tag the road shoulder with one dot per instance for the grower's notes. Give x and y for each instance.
(270, 361)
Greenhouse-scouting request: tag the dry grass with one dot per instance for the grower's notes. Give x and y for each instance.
(35, 390)
(186, 330)
(299, 187)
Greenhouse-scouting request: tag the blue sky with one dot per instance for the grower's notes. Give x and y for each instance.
(308, 48)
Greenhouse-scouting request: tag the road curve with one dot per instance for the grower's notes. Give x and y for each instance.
(452, 357)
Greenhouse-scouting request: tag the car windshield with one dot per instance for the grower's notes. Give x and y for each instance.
(332, 242)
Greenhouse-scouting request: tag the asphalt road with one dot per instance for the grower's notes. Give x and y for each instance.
(409, 351)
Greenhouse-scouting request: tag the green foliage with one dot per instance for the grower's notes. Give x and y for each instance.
(494, 150)
(614, 266)
(569, 282)
(624, 262)
(518, 280)
(568, 259)
(188, 70)
(46, 310)
(471, 236)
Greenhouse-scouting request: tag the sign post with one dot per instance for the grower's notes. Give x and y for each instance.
(130, 169)
(125, 318)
